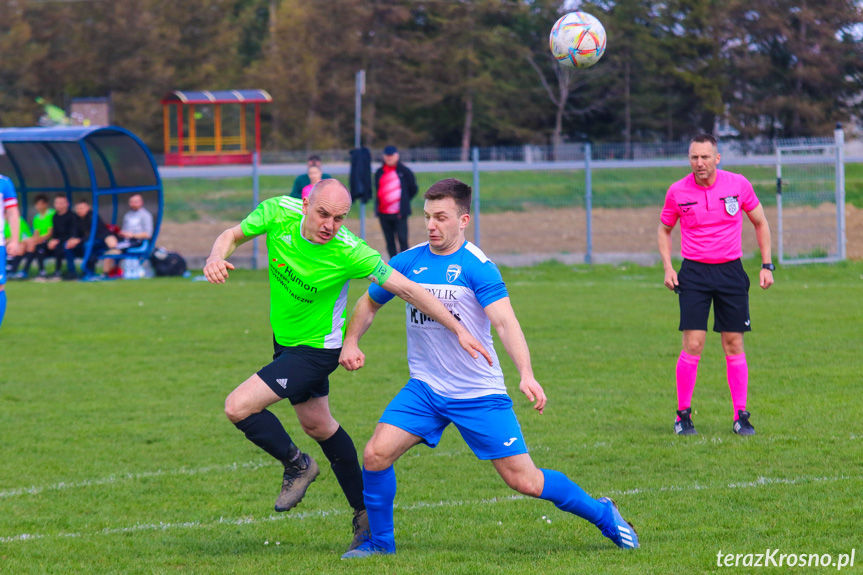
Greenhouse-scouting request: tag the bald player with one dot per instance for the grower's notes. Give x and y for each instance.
(311, 260)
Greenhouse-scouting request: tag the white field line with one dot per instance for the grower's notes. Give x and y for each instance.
(123, 477)
(162, 526)
(120, 478)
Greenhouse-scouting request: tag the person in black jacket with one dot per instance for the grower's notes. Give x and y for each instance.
(74, 246)
(63, 225)
(396, 187)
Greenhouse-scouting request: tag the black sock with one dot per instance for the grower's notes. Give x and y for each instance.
(265, 430)
(28, 261)
(342, 454)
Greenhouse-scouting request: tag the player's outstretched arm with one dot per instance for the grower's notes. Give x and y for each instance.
(417, 296)
(217, 266)
(502, 317)
(352, 358)
(664, 239)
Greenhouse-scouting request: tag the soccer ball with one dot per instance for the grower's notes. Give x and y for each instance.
(577, 40)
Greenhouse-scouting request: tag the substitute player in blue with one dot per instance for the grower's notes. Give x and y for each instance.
(445, 389)
(8, 213)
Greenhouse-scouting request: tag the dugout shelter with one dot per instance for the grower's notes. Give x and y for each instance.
(104, 165)
(211, 127)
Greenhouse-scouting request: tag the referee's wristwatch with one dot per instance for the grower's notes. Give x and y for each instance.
(769, 266)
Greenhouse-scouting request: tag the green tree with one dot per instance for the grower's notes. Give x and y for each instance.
(19, 55)
(795, 66)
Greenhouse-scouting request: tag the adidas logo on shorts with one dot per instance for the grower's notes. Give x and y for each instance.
(283, 383)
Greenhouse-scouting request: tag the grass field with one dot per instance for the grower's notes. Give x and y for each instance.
(230, 199)
(117, 458)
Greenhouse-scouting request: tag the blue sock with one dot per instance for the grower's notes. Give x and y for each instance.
(2, 305)
(568, 496)
(379, 491)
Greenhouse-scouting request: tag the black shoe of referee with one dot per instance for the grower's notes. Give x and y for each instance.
(742, 425)
(296, 481)
(685, 425)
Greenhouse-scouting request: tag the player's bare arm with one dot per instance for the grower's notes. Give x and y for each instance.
(351, 357)
(762, 236)
(417, 296)
(664, 240)
(217, 266)
(13, 216)
(502, 317)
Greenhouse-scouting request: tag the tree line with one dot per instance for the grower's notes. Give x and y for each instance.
(450, 73)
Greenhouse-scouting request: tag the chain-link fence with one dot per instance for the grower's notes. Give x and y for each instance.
(574, 203)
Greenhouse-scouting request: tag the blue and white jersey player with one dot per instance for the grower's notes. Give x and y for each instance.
(444, 388)
(8, 213)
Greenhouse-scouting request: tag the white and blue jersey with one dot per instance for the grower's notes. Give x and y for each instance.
(8, 199)
(465, 282)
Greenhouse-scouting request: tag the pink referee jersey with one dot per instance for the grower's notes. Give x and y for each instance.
(711, 219)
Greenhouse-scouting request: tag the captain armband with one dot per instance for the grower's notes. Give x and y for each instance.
(381, 274)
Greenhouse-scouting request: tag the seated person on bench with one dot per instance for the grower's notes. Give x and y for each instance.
(137, 228)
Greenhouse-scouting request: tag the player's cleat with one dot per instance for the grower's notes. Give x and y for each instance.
(622, 533)
(295, 482)
(362, 532)
(685, 425)
(742, 425)
(366, 549)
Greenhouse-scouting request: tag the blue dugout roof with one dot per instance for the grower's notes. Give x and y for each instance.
(100, 163)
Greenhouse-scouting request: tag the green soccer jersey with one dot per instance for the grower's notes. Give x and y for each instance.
(23, 232)
(43, 224)
(309, 282)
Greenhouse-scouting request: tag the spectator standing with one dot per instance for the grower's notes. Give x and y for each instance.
(396, 187)
(303, 180)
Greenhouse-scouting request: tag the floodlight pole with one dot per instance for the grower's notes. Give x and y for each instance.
(358, 126)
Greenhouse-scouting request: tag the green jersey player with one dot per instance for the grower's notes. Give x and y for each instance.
(311, 260)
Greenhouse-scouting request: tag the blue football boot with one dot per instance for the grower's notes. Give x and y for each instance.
(622, 533)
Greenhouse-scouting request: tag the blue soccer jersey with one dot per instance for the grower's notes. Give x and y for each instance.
(465, 282)
(8, 199)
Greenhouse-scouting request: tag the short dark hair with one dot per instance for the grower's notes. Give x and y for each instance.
(451, 188)
(314, 158)
(704, 138)
(40, 198)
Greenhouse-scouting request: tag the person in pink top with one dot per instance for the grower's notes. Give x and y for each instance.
(315, 174)
(710, 204)
(396, 187)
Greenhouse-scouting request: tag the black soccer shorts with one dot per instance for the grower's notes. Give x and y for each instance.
(301, 372)
(725, 284)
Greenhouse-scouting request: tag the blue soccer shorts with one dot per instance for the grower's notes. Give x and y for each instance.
(487, 424)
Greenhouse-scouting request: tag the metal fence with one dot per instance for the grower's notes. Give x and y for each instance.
(574, 203)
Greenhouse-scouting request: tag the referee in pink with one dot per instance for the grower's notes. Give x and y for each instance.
(710, 204)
